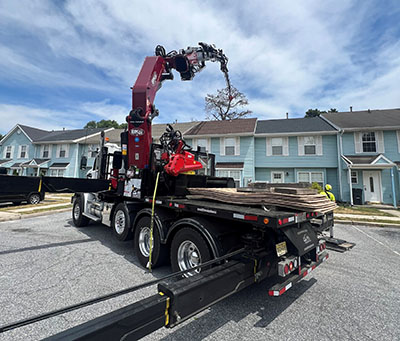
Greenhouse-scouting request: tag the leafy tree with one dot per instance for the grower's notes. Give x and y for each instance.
(105, 124)
(317, 112)
(226, 105)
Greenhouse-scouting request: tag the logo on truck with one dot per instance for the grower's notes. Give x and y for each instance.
(306, 238)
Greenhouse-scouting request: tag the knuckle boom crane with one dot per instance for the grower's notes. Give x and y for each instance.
(218, 248)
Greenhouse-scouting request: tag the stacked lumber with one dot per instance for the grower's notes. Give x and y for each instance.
(303, 199)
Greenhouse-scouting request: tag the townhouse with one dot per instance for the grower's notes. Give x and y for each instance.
(369, 150)
(296, 150)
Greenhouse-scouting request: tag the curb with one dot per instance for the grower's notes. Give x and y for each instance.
(366, 223)
(32, 215)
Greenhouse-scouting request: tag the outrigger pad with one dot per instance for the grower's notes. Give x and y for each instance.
(339, 245)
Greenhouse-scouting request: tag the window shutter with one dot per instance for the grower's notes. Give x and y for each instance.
(222, 146)
(27, 152)
(58, 151)
(398, 140)
(300, 145)
(380, 142)
(19, 152)
(41, 150)
(67, 150)
(12, 152)
(194, 144)
(319, 145)
(285, 146)
(358, 142)
(208, 146)
(237, 146)
(268, 146)
(50, 150)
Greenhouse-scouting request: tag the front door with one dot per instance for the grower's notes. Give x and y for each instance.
(372, 186)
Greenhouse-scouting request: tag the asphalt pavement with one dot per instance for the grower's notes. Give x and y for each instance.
(46, 264)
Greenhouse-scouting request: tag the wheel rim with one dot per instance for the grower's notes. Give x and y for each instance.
(34, 199)
(77, 211)
(144, 241)
(119, 222)
(188, 257)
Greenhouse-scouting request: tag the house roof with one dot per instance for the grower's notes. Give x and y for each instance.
(293, 125)
(158, 129)
(361, 159)
(68, 135)
(114, 136)
(59, 165)
(379, 161)
(5, 161)
(387, 118)
(229, 165)
(237, 127)
(34, 133)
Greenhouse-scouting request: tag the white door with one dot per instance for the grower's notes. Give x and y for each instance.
(372, 186)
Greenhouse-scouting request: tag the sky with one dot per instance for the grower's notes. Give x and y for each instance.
(64, 63)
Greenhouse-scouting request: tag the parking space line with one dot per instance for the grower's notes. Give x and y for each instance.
(383, 244)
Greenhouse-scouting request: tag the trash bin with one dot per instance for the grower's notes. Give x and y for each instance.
(357, 196)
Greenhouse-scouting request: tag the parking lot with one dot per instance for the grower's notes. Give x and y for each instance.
(46, 264)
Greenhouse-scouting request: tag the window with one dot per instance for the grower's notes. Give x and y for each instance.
(311, 177)
(8, 152)
(354, 177)
(46, 151)
(277, 177)
(309, 145)
(93, 150)
(62, 150)
(235, 174)
(230, 144)
(22, 153)
(277, 145)
(203, 144)
(57, 172)
(369, 142)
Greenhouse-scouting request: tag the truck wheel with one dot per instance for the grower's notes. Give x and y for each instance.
(77, 217)
(121, 223)
(142, 244)
(34, 199)
(188, 249)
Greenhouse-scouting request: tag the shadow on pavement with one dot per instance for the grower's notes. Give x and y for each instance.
(252, 300)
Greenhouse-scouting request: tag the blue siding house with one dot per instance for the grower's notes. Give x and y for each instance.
(296, 150)
(30, 151)
(369, 149)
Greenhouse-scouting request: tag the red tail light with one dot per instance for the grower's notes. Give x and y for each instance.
(286, 269)
(291, 266)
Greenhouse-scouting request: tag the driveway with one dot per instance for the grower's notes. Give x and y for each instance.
(46, 264)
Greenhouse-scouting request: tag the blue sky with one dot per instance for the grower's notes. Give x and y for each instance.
(63, 63)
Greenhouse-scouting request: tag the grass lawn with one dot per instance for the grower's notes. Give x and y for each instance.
(362, 211)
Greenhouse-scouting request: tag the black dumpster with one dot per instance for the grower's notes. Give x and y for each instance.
(357, 196)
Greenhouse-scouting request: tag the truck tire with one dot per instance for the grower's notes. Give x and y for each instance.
(121, 223)
(34, 199)
(188, 249)
(142, 244)
(78, 218)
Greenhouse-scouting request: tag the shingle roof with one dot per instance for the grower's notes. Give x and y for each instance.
(34, 133)
(113, 135)
(293, 125)
(229, 165)
(68, 135)
(158, 129)
(365, 119)
(59, 165)
(362, 159)
(240, 126)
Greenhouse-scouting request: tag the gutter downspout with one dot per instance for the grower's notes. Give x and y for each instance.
(393, 188)
(350, 185)
(76, 175)
(340, 153)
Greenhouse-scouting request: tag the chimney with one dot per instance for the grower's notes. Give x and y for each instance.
(287, 115)
(63, 128)
(351, 109)
(369, 110)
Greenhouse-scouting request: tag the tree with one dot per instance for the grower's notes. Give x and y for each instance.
(317, 112)
(226, 105)
(105, 124)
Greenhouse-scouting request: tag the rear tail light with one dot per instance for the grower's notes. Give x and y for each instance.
(286, 266)
(291, 266)
(286, 269)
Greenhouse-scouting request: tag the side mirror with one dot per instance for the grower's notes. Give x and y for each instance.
(117, 160)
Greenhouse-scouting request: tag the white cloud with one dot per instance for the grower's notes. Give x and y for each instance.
(285, 56)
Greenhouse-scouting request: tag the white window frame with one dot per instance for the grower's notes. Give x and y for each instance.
(374, 141)
(317, 143)
(310, 176)
(222, 143)
(379, 142)
(354, 177)
(6, 152)
(229, 170)
(20, 151)
(42, 151)
(59, 146)
(207, 144)
(282, 174)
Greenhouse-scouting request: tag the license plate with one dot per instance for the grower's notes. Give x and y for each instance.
(281, 249)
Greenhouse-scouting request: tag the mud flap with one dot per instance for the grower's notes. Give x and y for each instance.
(302, 236)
